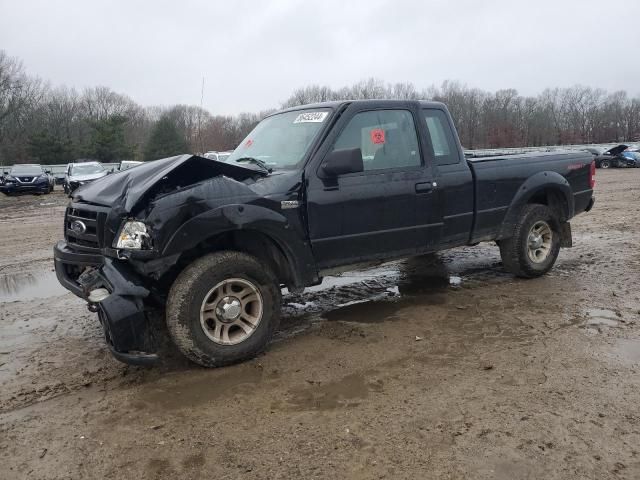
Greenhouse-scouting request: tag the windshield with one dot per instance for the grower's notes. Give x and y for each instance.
(26, 170)
(282, 140)
(89, 169)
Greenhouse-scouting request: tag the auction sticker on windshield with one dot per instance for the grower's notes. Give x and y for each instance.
(311, 117)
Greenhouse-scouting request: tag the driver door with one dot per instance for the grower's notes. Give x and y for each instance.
(385, 210)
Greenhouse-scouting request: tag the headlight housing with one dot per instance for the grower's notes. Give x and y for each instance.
(133, 236)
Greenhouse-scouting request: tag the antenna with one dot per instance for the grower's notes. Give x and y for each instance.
(200, 118)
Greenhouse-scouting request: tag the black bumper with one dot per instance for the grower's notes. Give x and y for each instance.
(67, 260)
(24, 188)
(123, 314)
(591, 204)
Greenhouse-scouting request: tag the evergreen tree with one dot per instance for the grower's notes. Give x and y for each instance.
(165, 140)
(49, 149)
(107, 141)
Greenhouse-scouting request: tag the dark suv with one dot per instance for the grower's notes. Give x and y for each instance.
(26, 178)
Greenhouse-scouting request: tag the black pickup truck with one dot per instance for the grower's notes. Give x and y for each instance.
(208, 245)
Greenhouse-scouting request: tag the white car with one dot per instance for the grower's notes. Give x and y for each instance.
(220, 156)
(127, 164)
(79, 174)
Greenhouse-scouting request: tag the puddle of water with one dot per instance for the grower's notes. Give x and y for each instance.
(428, 272)
(28, 286)
(349, 278)
(420, 279)
(628, 351)
(192, 389)
(602, 317)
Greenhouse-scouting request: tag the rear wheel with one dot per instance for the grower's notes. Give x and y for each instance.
(223, 308)
(533, 248)
(605, 164)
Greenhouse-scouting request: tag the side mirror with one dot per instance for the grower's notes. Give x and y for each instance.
(341, 162)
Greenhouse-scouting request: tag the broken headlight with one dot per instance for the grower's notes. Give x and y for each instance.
(133, 236)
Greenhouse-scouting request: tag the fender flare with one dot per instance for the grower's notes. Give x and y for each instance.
(235, 217)
(535, 184)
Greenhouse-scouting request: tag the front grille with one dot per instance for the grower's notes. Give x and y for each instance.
(26, 179)
(91, 222)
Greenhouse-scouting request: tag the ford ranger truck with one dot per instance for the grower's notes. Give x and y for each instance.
(200, 249)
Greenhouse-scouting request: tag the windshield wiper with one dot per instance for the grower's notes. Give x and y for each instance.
(261, 163)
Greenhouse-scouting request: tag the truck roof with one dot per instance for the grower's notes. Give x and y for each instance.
(334, 105)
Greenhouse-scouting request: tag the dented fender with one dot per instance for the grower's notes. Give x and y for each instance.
(251, 218)
(220, 220)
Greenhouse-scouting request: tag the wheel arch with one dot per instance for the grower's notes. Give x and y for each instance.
(545, 188)
(257, 231)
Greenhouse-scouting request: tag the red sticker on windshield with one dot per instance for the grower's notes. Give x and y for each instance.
(248, 143)
(377, 135)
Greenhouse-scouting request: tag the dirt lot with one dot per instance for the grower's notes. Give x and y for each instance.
(437, 367)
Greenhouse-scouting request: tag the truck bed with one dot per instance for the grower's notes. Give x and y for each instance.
(501, 178)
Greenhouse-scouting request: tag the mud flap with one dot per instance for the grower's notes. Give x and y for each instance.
(566, 239)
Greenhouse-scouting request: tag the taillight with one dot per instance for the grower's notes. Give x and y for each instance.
(592, 175)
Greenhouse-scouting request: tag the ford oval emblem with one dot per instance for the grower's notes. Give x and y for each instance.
(78, 227)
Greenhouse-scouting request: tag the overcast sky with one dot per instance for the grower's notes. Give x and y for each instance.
(253, 54)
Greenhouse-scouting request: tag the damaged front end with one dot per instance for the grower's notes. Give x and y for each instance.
(113, 255)
(115, 293)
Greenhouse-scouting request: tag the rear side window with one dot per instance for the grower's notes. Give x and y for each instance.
(445, 149)
(386, 138)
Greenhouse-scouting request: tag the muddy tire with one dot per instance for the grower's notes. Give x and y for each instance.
(223, 308)
(534, 246)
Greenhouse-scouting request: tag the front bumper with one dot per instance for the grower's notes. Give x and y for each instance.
(9, 188)
(128, 327)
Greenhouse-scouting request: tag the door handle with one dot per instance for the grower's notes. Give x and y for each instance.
(425, 187)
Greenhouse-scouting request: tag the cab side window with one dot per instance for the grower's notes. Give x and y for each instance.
(445, 149)
(386, 138)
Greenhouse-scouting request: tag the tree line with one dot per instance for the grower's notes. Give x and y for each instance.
(45, 124)
(557, 116)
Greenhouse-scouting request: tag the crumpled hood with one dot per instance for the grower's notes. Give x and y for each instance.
(616, 150)
(124, 190)
(86, 178)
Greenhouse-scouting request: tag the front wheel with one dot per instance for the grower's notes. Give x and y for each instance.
(223, 308)
(605, 164)
(533, 248)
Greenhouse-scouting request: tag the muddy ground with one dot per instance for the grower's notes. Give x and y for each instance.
(436, 367)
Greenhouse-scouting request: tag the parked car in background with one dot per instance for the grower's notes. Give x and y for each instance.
(220, 156)
(58, 172)
(610, 158)
(79, 174)
(27, 178)
(632, 158)
(127, 164)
